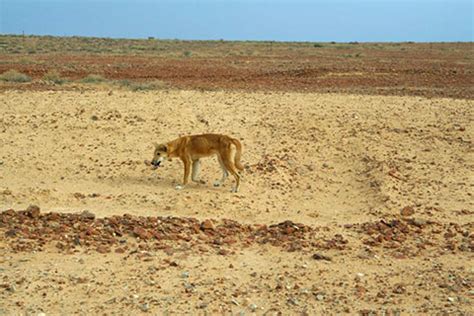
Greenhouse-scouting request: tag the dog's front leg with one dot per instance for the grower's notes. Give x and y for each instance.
(187, 169)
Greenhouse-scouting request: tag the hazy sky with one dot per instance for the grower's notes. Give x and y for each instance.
(280, 20)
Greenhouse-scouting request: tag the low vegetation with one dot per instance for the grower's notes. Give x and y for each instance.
(93, 79)
(14, 76)
(54, 76)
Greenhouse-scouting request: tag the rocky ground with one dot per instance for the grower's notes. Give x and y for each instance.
(417, 69)
(168, 264)
(350, 203)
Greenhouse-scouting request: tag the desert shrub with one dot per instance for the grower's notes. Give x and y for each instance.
(187, 53)
(123, 83)
(144, 86)
(141, 86)
(14, 76)
(318, 45)
(93, 79)
(54, 77)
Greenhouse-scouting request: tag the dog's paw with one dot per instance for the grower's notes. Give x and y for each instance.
(179, 187)
(217, 184)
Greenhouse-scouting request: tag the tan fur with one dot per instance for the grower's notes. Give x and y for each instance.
(191, 148)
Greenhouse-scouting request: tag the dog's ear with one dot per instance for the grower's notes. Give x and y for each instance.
(164, 148)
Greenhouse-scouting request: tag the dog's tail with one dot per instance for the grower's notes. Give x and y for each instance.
(238, 153)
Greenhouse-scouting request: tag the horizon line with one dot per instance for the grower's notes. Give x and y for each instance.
(229, 40)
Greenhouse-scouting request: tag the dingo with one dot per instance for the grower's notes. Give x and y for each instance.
(192, 148)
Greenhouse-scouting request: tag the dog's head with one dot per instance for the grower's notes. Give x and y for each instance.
(160, 153)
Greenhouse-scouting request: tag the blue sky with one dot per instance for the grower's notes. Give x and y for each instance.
(279, 20)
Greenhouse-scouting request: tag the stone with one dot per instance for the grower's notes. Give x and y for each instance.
(144, 307)
(142, 233)
(207, 225)
(407, 211)
(418, 222)
(102, 249)
(87, 215)
(33, 211)
(320, 297)
(253, 307)
(318, 256)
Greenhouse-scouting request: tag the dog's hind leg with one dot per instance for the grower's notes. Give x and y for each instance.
(229, 165)
(225, 174)
(195, 172)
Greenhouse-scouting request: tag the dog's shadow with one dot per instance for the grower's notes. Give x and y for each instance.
(161, 182)
(151, 180)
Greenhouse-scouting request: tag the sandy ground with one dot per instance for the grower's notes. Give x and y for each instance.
(324, 160)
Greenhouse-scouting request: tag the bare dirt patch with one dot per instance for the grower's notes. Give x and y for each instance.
(349, 203)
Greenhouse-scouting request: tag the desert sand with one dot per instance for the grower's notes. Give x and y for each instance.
(342, 165)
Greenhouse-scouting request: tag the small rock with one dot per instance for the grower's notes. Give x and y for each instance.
(190, 288)
(253, 307)
(145, 307)
(185, 274)
(320, 297)
(399, 289)
(11, 233)
(33, 211)
(94, 117)
(119, 250)
(102, 249)
(419, 222)
(11, 288)
(223, 252)
(202, 305)
(325, 165)
(407, 211)
(451, 299)
(87, 215)
(207, 225)
(142, 233)
(318, 256)
(79, 195)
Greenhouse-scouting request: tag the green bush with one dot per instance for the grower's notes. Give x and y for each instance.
(144, 86)
(14, 76)
(93, 79)
(54, 77)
